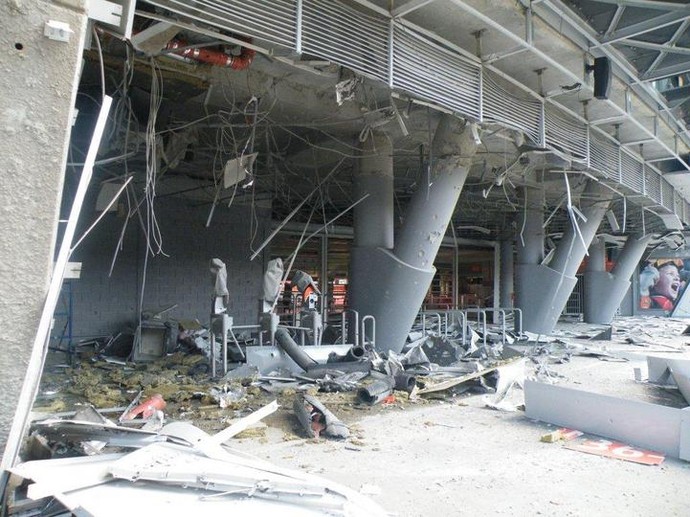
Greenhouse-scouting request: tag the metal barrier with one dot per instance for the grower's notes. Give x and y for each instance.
(366, 318)
(356, 326)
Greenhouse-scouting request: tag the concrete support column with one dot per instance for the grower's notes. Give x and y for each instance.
(544, 290)
(391, 284)
(529, 244)
(570, 252)
(373, 217)
(605, 291)
(506, 274)
(39, 87)
(530, 235)
(597, 256)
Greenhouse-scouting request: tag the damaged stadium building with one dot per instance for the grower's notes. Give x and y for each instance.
(224, 218)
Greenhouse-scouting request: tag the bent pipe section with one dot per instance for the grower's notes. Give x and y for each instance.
(355, 353)
(405, 382)
(292, 349)
(376, 391)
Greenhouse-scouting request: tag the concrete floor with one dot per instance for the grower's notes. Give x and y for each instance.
(460, 458)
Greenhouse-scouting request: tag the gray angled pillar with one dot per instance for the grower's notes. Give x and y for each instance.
(391, 284)
(373, 175)
(605, 291)
(529, 245)
(545, 289)
(506, 273)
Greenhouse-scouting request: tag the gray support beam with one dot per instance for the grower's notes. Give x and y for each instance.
(604, 291)
(373, 217)
(429, 212)
(529, 244)
(530, 238)
(597, 255)
(543, 291)
(391, 285)
(36, 111)
(571, 250)
(506, 274)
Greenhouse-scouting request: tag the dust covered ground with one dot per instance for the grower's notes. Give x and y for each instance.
(445, 456)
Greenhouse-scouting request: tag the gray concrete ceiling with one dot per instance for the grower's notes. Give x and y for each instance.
(301, 132)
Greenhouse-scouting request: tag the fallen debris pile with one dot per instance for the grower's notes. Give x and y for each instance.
(173, 470)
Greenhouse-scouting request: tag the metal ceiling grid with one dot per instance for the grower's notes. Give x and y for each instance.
(343, 35)
(431, 71)
(653, 185)
(667, 193)
(505, 108)
(632, 172)
(273, 21)
(604, 156)
(404, 58)
(566, 133)
(678, 204)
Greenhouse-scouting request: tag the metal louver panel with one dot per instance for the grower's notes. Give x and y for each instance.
(343, 35)
(667, 194)
(433, 72)
(632, 172)
(274, 21)
(502, 107)
(565, 133)
(603, 156)
(653, 185)
(678, 204)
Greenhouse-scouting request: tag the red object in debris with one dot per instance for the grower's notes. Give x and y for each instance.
(390, 399)
(147, 408)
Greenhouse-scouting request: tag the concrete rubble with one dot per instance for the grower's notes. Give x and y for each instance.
(154, 396)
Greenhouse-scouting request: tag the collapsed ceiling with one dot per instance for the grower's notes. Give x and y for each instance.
(182, 122)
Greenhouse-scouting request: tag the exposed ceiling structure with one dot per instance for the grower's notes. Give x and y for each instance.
(320, 83)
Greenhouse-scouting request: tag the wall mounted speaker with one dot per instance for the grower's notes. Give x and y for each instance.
(602, 76)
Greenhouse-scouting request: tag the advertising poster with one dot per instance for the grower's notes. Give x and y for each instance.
(663, 283)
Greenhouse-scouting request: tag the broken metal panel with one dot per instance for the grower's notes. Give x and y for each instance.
(270, 358)
(65, 474)
(641, 424)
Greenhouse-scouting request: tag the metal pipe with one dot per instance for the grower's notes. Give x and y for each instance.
(376, 391)
(292, 349)
(405, 382)
(212, 57)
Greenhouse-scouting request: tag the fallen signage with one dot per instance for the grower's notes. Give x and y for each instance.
(619, 451)
(641, 424)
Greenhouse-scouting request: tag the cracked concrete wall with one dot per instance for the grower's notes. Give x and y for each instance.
(38, 82)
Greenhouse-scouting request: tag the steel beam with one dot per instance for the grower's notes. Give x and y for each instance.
(649, 25)
(409, 7)
(656, 46)
(668, 71)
